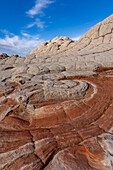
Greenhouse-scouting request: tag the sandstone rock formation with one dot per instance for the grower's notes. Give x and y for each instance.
(53, 47)
(97, 41)
(4, 55)
(56, 104)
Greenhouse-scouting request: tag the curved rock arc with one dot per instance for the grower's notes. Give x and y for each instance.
(77, 123)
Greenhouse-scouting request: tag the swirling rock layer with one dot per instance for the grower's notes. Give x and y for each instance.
(38, 132)
(56, 113)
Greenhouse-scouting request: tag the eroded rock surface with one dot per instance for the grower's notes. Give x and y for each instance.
(56, 111)
(97, 41)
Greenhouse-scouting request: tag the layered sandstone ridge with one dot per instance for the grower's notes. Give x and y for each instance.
(98, 39)
(56, 105)
(53, 47)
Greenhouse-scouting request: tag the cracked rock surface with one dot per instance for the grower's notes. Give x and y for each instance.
(56, 104)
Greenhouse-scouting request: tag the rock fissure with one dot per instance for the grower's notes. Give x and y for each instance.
(35, 149)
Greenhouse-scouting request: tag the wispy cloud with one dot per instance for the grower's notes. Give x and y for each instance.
(76, 38)
(19, 44)
(38, 23)
(6, 32)
(38, 7)
(37, 10)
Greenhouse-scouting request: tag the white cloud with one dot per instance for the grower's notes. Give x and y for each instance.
(38, 23)
(76, 38)
(38, 7)
(19, 44)
(25, 34)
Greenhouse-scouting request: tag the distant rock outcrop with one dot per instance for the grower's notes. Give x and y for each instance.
(4, 55)
(53, 47)
(56, 104)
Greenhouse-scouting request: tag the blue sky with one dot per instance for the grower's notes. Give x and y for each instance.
(26, 23)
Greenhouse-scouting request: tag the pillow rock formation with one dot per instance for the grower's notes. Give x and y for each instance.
(56, 104)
